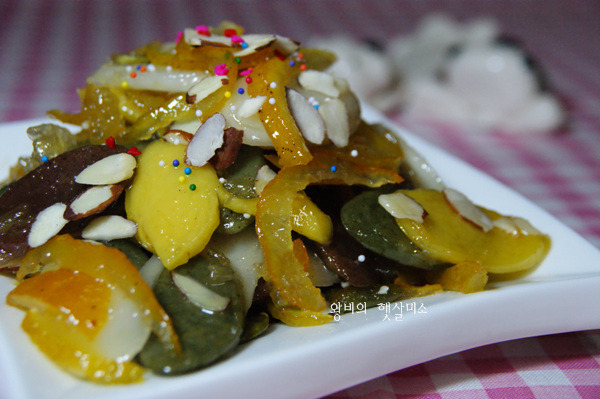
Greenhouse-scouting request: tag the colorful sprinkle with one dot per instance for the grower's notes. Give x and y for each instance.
(124, 84)
(354, 153)
(229, 32)
(241, 91)
(237, 39)
(187, 170)
(133, 151)
(271, 101)
(333, 168)
(221, 69)
(176, 162)
(198, 113)
(273, 85)
(192, 187)
(110, 142)
(179, 36)
(238, 60)
(227, 94)
(292, 63)
(181, 179)
(247, 216)
(143, 68)
(316, 106)
(133, 74)
(161, 163)
(361, 258)
(246, 72)
(303, 67)
(300, 56)
(222, 180)
(248, 79)
(44, 159)
(244, 45)
(202, 30)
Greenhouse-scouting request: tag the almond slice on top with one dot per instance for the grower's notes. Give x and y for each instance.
(110, 227)
(467, 210)
(199, 294)
(318, 81)
(335, 116)
(109, 170)
(94, 200)
(206, 141)
(401, 206)
(47, 224)
(307, 117)
(204, 88)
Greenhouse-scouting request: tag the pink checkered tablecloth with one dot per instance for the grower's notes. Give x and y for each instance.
(47, 48)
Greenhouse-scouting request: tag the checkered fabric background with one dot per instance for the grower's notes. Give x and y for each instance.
(47, 48)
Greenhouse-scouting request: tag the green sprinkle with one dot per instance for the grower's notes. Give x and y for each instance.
(238, 59)
(192, 187)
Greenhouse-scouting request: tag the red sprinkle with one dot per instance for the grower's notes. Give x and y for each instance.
(300, 56)
(133, 74)
(110, 142)
(303, 67)
(143, 68)
(203, 30)
(229, 32)
(248, 79)
(134, 151)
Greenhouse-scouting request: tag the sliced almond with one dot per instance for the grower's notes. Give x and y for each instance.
(206, 141)
(286, 45)
(47, 224)
(467, 210)
(203, 89)
(251, 106)
(507, 225)
(265, 175)
(318, 81)
(401, 206)
(256, 42)
(151, 270)
(199, 294)
(335, 116)
(178, 137)
(525, 227)
(110, 227)
(109, 170)
(195, 39)
(94, 200)
(307, 117)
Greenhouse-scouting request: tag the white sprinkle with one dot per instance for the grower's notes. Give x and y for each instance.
(247, 216)
(161, 163)
(176, 141)
(128, 68)
(85, 125)
(311, 99)
(361, 258)
(222, 180)
(232, 108)
(198, 113)
(273, 85)
(166, 369)
(354, 153)
(383, 290)
(169, 68)
(345, 284)
(151, 68)
(271, 101)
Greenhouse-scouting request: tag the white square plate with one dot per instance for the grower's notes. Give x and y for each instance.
(561, 295)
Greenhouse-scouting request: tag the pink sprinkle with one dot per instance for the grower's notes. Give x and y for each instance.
(203, 30)
(236, 39)
(246, 72)
(221, 69)
(179, 36)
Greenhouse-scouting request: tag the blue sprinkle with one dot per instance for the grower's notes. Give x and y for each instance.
(139, 67)
(333, 168)
(241, 91)
(316, 106)
(175, 163)
(292, 63)
(187, 171)
(44, 159)
(244, 45)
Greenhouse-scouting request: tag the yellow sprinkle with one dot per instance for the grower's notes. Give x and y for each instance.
(227, 94)
(124, 84)
(181, 179)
